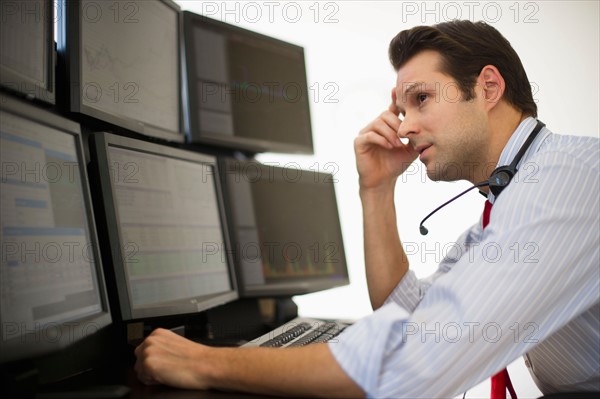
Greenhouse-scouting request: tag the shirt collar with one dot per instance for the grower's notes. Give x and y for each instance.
(516, 141)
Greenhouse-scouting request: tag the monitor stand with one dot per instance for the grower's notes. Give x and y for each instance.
(22, 381)
(285, 310)
(246, 319)
(19, 379)
(231, 324)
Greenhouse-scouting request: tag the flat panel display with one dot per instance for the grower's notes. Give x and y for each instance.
(166, 227)
(123, 63)
(27, 42)
(51, 282)
(286, 229)
(246, 91)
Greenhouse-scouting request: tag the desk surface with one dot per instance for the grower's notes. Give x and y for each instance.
(110, 389)
(139, 391)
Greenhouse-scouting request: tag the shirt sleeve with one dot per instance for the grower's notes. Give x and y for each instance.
(409, 292)
(534, 270)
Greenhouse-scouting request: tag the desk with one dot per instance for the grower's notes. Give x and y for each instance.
(141, 391)
(107, 388)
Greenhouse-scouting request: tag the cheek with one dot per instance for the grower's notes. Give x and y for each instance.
(433, 119)
(450, 93)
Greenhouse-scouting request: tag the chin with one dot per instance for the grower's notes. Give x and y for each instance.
(434, 170)
(434, 175)
(442, 170)
(437, 176)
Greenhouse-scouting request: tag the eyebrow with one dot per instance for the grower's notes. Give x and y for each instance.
(413, 87)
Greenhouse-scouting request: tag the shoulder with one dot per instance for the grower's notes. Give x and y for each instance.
(560, 163)
(563, 148)
(560, 178)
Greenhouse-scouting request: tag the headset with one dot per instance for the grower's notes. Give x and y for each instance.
(498, 180)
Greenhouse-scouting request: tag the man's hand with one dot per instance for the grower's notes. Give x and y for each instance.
(380, 158)
(380, 155)
(167, 358)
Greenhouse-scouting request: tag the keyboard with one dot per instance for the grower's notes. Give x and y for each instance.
(299, 332)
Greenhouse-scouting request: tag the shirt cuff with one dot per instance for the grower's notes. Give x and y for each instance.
(361, 348)
(408, 293)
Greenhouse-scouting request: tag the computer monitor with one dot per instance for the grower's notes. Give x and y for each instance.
(286, 229)
(246, 91)
(27, 41)
(122, 62)
(52, 291)
(166, 228)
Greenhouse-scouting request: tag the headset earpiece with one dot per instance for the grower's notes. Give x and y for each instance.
(500, 179)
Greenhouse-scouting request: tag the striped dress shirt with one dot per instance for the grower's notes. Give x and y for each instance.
(529, 285)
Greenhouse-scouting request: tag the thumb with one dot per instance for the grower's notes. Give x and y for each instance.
(393, 108)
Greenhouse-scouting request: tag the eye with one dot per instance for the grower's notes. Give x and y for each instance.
(421, 97)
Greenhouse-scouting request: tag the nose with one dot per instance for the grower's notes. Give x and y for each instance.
(408, 127)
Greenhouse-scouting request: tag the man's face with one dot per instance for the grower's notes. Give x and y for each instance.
(450, 134)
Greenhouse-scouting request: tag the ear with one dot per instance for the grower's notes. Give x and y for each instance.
(492, 85)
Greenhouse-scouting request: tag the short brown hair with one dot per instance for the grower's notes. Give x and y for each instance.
(466, 47)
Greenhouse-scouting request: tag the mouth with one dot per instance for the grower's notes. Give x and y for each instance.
(422, 150)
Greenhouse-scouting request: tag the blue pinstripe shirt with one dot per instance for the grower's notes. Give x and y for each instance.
(529, 285)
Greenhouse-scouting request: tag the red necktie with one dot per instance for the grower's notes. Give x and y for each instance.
(500, 381)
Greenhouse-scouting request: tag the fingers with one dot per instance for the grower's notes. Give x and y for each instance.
(152, 350)
(386, 127)
(393, 108)
(142, 367)
(141, 363)
(160, 342)
(144, 374)
(369, 138)
(170, 359)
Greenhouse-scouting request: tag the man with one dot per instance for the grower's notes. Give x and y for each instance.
(466, 107)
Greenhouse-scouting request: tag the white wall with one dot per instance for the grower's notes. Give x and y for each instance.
(346, 55)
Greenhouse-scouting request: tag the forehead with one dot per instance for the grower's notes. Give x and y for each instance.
(424, 67)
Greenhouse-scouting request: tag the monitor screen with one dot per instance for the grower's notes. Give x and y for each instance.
(246, 91)
(51, 283)
(166, 226)
(286, 229)
(27, 43)
(123, 63)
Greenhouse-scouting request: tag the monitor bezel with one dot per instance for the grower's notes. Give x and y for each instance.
(281, 289)
(99, 147)
(193, 133)
(71, 331)
(70, 50)
(9, 78)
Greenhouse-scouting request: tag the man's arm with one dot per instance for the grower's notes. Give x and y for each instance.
(385, 260)
(167, 358)
(381, 157)
(534, 270)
